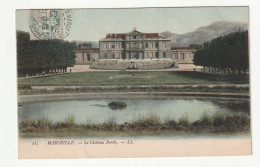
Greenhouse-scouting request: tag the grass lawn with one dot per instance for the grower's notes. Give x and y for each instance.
(131, 78)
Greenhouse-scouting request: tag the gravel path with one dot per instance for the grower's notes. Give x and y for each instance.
(71, 96)
(86, 68)
(169, 85)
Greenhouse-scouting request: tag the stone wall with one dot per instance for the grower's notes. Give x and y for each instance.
(112, 64)
(86, 57)
(182, 56)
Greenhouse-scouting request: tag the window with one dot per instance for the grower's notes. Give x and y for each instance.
(123, 56)
(105, 45)
(112, 46)
(164, 54)
(88, 57)
(183, 56)
(146, 45)
(164, 45)
(113, 55)
(134, 45)
(134, 37)
(151, 45)
(117, 45)
(137, 55)
(156, 55)
(83, 56)
(151, 54)
(105, 55)
(156, 45)
(147, 55)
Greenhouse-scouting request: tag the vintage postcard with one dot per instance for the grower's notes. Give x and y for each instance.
(133, 82)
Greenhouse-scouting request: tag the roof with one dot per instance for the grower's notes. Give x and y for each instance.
(152, 35)
(86, 50)
(115, 35)
(182, 48)
(85, 44)
(134, 32)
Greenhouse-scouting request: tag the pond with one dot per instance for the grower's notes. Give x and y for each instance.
(97, 110)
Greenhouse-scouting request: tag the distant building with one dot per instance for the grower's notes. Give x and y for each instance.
(133, 45)
(182, 54)
(86, 55)
(85, 45)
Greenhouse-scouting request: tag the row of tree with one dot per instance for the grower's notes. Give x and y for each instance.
(43, 56)
(228, 54)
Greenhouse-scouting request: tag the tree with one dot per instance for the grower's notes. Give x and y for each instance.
(39, 56)
(228, 53)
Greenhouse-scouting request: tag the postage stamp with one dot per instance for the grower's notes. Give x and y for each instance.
(46, 24)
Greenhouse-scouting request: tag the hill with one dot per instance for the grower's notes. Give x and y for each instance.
(205, 33)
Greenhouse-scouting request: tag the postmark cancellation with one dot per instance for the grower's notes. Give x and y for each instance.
(50, 24)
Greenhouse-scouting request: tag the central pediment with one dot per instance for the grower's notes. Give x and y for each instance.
(134, 32)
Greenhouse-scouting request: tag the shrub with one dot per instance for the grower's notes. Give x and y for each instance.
(236, 122)
(219, 119)
(219, 122)
(114, 105)
(70, 119)
(27, 123)
(30, 129)
(110, 126)
(206, 120)
(43, 123)
(151, 122)
(170, 124)
(184, 121)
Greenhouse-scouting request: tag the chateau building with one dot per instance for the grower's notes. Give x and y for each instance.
(134, 45)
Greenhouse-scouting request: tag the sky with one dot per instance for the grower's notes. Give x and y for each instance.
(93, 24)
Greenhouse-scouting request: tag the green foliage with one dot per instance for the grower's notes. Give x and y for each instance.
(43, 123)
(149, 122)
(184, 120)
(70, 119)
(40, 56)
(206, 120)
(216, 123)
(229, 53)
(115, 105)
(170, 124)
(219, 119)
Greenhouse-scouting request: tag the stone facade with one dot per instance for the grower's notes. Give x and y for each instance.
(182, 54)
(85, 56)
(85, 45)
(134, 45)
